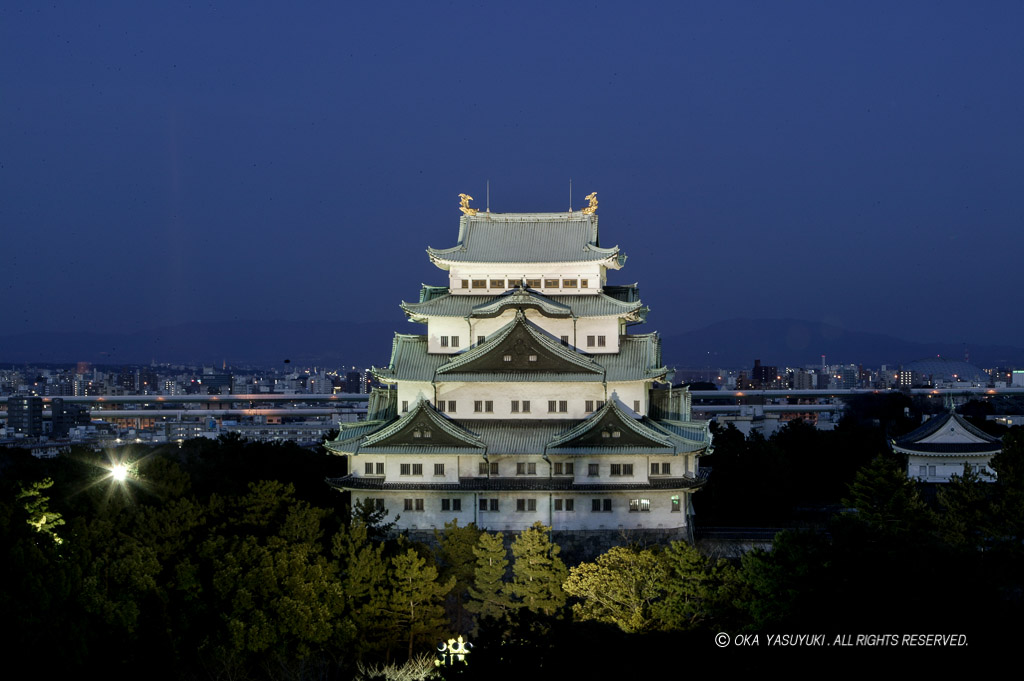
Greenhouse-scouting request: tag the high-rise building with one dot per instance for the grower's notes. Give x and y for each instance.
(25, 415)
(526, 399)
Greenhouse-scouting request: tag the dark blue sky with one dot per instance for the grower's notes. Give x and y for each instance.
(859, 162)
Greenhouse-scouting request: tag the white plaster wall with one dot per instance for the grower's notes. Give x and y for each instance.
(630, 392)
(409, 391)
(593, 272)
(502, 394)
(945, 467)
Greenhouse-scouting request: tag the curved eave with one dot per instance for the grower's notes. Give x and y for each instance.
(358, 483)
(948, 451)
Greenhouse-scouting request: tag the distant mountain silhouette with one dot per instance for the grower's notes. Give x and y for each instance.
(797, 342)
(331, 344)
(727, 344)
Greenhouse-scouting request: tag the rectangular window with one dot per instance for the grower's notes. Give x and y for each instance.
(558, 504)
(405, 469)
(444, 341)
(377, 504)
(599, 404)
(583, 283)
(675, 504)
(592, 470)
(484, 467)
(569, 505)
(568, 468)
(494, 504)
(606, 505)
(590, 406)
(498, 283)
(533, 283)
(480, 340)
(478, 406)
(451, 406)
(552, 406)
(663, 469)
(417, 469)
(639, 505)
(600, 341)
(380, 468)
(407, 504)
(520, 505)
(627, 469)
(550, 283)
(636, 406)
(515, 406)
(465, 283)
(563, 406)
(446, 504)
(568, 283)
(441, 405)
(483, 504)
(455, 341)
(507, 358)
(526, 406)
(456, 504)
(922, 471)
(405, 405)
(558, 469)
(931, 470)
(489, 406)
(565, 340)
(595, 505)
(479, 283)
(520, 468)
(368, 468)
(438, 469)
(419, 504)
(531, 469)
(616, 469)
(590, 341)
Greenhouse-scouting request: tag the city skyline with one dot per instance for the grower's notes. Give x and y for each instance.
(855, 166)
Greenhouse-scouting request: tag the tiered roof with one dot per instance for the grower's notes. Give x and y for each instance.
(577, 306)
(638, 359)
(527, 237)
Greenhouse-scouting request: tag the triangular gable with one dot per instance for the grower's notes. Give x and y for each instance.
(946, 429)
(422, 426)
(519, 346)
(611, 426)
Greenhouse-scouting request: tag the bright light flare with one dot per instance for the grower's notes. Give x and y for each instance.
(119, 472)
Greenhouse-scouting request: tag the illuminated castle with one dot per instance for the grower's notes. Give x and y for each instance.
(526, 399)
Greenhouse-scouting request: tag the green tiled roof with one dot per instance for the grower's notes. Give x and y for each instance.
(578, 306)
(526, 237)
(639, 358)
(529, 436)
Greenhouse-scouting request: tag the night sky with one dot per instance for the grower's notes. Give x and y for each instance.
(859, 163)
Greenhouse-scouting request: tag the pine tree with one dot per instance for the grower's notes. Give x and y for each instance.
(455, 553)
(417, 598)
(537, 572)
(488, 593)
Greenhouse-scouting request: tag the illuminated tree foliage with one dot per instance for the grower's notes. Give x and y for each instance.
(455, 554)
(621, 587)
(489, 595)
(416, 604)
(537, 572)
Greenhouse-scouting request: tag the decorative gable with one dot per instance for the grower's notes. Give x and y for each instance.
(520, 347)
